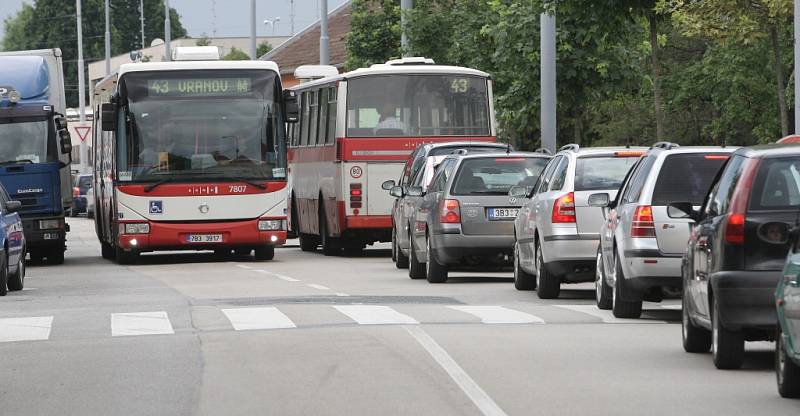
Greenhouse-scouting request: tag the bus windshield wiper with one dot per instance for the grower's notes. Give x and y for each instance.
(156, 184)
(12, 162)
(239, 179)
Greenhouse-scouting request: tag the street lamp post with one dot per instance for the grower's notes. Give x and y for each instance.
(548, 81)
(253, 46)
(81, 85)
(272, 23)
(324, 53)
(108, 41)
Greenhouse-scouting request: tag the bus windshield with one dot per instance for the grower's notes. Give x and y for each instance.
(206, 125)
(25, 140)
(417, 106)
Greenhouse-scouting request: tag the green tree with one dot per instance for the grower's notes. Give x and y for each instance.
(236, 54)
(203, 41)
(263, 49)
(374, 32)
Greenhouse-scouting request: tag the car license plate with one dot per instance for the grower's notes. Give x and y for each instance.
(503, 213)
(204, 238)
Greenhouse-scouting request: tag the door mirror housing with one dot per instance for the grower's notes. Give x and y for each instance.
(396, 191)
(108, 113)
(291, 105)
(387, 186)
(61, 123)
(13, 206)
(65, 141)
(518, 192)
(682, 210)
(415, 191)
(601, 200)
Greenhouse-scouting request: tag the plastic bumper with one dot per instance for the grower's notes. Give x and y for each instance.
(561, 248)
(451, 248)
(175, 236)
(35, 236)
(746, 298)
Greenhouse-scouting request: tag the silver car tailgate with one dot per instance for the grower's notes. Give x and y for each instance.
(475, 214)
(589, 219)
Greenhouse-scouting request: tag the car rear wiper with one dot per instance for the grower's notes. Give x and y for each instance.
(11, 162)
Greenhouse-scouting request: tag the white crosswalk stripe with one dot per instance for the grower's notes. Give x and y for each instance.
(244, 319)
(498, 314)
(374, 315)
(140, 323)
(25, 329)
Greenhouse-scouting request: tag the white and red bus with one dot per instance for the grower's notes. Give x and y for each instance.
(191, 155)
(357, 129)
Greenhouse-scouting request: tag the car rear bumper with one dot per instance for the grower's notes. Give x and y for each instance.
(569, 248)
(174, 236)
(652, 271)
(451, 248)
(746, 298)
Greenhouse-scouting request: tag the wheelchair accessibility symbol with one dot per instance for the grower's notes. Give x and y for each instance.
(156, 207)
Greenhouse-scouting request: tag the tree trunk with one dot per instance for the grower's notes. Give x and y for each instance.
(781, 84)
(656, 75)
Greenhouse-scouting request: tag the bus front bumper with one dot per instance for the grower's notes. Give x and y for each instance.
(201, 236)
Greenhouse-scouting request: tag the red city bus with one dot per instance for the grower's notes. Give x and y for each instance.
(357, 130)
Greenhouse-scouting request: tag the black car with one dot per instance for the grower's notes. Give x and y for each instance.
(737, 251)
(81, 185)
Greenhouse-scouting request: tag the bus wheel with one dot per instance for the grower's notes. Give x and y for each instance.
(107, 251)
(265, 253)
(328, 243)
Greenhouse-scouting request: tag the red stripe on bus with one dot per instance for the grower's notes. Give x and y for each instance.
(369, 221)
(202, 189)
(370, 148)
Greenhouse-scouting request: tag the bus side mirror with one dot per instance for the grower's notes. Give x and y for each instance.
(66, 141)
(61, 123)
(291, 106)
(108, 115)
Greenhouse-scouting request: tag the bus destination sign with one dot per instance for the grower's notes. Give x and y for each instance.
(198, 87)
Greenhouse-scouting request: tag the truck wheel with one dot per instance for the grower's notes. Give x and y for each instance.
(727, 347)
(55, 256)
(548, 285)
(695, 339)
(522, 279)
(416, 270)
(436, 272)
(16, 280)
(602, 291)
(126, 257)
(107, 251)
(622, 308)
(3, 274)
(264, 253)
(787, 371)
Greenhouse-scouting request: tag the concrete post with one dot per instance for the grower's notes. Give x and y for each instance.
(84, 151)
(108, 41)
(405, 6)
(548, 81)
(253, 47)
(324, 54)
(167, 33)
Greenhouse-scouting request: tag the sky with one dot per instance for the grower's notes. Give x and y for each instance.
(232, 16)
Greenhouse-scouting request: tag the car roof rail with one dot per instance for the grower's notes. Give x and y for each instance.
(543, 150)
(665, 145)
(572, 146)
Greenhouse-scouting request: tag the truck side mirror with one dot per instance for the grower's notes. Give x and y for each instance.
(66, 141)
(291, 105)
(61, 123)
(13, 206)
(108, 113)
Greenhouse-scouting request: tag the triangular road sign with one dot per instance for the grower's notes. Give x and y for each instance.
(83, 132)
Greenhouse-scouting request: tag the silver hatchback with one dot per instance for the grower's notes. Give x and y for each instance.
(466, 216)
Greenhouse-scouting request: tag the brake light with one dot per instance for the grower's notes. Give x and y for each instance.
(643, 225)
(356, 193)
(564, 209)
(628, 153)
(76, 192)
(734, 226)
(717, 157)
(450, 212)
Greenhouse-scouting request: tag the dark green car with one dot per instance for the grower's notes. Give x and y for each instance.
(787, 347)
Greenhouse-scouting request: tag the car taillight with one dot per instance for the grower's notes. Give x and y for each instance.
(643, 225)
(734, 225)
(564, 209)
(450, 212)
(356, 192)
(76, 192)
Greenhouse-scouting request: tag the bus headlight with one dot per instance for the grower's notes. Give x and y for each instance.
(49, 224)
(270, 225)
(137, 228)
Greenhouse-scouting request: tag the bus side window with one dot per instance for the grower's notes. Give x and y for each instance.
(304, 119)
(313, 103)
(331, 115)
(323, 116)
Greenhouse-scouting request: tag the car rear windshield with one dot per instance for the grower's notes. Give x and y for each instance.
(440, 151)
(687, 177)
(496, 175)
(777, 186)
(84, 182)
(598, 173)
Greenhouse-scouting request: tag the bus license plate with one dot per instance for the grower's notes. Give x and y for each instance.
(503, 213)
(204, 238)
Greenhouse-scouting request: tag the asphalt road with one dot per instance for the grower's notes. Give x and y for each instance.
(186, 334)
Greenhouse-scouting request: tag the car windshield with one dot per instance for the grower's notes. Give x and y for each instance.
(417, 105)
(497, 175)
(687, 177)
(33, 149)
(202, 124)
(777, 186)
(600, 173)
(84, 183)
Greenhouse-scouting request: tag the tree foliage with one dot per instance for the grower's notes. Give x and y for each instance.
(263, 48)
(236, 54)
(375, 32)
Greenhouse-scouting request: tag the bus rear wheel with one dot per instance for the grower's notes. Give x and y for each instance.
(330, 246)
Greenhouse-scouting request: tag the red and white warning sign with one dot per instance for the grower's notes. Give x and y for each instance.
(83, 132)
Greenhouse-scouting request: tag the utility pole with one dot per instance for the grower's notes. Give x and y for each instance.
(405, 7)
(324, 54)
(167, 33)
(253, 46)
(141, 18)
(291, 16)
(108, 41)
(548, 81)
(796, 69)
(81, 108)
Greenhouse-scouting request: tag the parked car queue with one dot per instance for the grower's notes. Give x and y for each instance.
(712, 225)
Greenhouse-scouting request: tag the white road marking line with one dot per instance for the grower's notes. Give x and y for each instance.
(29, 288)
(244, 319)
(606, 316)
(498, 314)
(671, 307)
(243, 266)
(286, 278)
(263, 271)
(25, 329)
(342, 294)
(471, 389)
(140, 323)
(318, 287)
(374, 315)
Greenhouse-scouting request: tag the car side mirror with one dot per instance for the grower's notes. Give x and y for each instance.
(415, 191)
(601, 200)
(65, 141)
(518, 192)
(61, 123)
(291, 105)
(387, 186)
(682, 210)
(108, 113)
(396, 191)
(13, 206)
